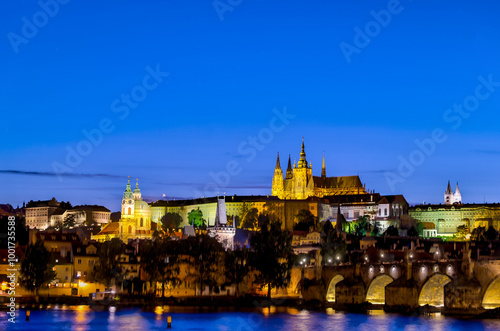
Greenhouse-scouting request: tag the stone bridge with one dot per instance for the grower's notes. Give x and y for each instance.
(456, 285)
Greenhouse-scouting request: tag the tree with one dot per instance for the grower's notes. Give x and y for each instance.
(420, 229)
(36, 269)
(65, 205)
(273, 255)
(361, 225)
(169, 264)
(376, 229)
(478, 234)
(69, 221)
(195, 218)
(237, 266)
(491, 234)
(150, 261)
(305, 220)
(251, 219)
(412, 232)
(462, 232)
(108, 266)
(333, 246)
(391, 231)
(205, 255)
(171, 221)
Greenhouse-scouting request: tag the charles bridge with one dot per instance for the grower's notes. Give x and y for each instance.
(456, 286)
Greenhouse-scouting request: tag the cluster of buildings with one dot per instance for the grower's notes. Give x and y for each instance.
(295, 190)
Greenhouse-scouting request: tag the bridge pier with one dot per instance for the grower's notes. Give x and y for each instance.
(402, 296)
(350, 291)
(463, 296)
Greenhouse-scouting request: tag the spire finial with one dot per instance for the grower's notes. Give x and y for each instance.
(278, 165)
(323, 169)
(137, 183)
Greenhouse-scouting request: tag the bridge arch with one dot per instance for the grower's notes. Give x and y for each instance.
(491, 297)
(376, 290)
(330, 294)
(432, 292)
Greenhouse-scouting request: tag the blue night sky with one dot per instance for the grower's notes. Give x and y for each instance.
(180, 91)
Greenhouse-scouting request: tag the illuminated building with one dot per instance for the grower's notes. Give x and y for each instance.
(445, 218)
(222, 231)
(135, 221)
(299, 182)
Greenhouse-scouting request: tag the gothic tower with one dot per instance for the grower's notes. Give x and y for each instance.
(277, 188)
(302, 177)
(448, 195)
(457, 197)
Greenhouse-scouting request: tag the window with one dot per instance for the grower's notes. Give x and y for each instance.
(79, 261)
(129, 211)
(130, 229)
(142, 222)
(385, 211)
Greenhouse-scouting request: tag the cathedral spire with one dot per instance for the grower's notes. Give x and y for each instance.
(302, 161)
(278, 165)
(128, 185)
(323, 169)
(448, 190)
(289, 171)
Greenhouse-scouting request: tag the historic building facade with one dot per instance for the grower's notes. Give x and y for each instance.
(135, 221)
(299, 182)
(445, 218)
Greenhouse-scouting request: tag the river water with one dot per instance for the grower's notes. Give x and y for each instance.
(82, 318)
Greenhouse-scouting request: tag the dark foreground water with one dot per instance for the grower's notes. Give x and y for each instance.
(83, 318)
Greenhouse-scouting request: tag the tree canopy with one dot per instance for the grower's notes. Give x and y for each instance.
(108, 267)
(36, 269)
(333, 246)
(171, 221)
(250, 219)
(195, 218)
(272, 255)
(305, 220)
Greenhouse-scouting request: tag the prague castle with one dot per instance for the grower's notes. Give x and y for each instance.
(299, 182)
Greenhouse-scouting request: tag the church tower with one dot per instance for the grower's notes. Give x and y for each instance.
(457, 197)
(128, 202)
(302, 177)
(277, 188)
(448, 195)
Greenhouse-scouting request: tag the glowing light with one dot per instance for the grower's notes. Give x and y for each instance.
(158, 310)
(82, 284)
(381, 268)
(371, 268)
(338, 257)
(381, 254)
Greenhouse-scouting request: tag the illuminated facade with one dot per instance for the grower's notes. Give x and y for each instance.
(135, 219)
(222, 231)
(299, 182)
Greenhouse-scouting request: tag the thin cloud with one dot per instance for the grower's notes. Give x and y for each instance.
(53, 174)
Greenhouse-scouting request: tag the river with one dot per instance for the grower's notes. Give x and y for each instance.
(82, 318)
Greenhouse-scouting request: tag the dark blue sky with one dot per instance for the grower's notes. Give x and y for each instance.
(361, 102)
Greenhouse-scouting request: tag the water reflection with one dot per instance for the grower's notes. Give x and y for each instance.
(84, 318)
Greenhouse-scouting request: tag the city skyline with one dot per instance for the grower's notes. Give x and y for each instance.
(370, 85)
